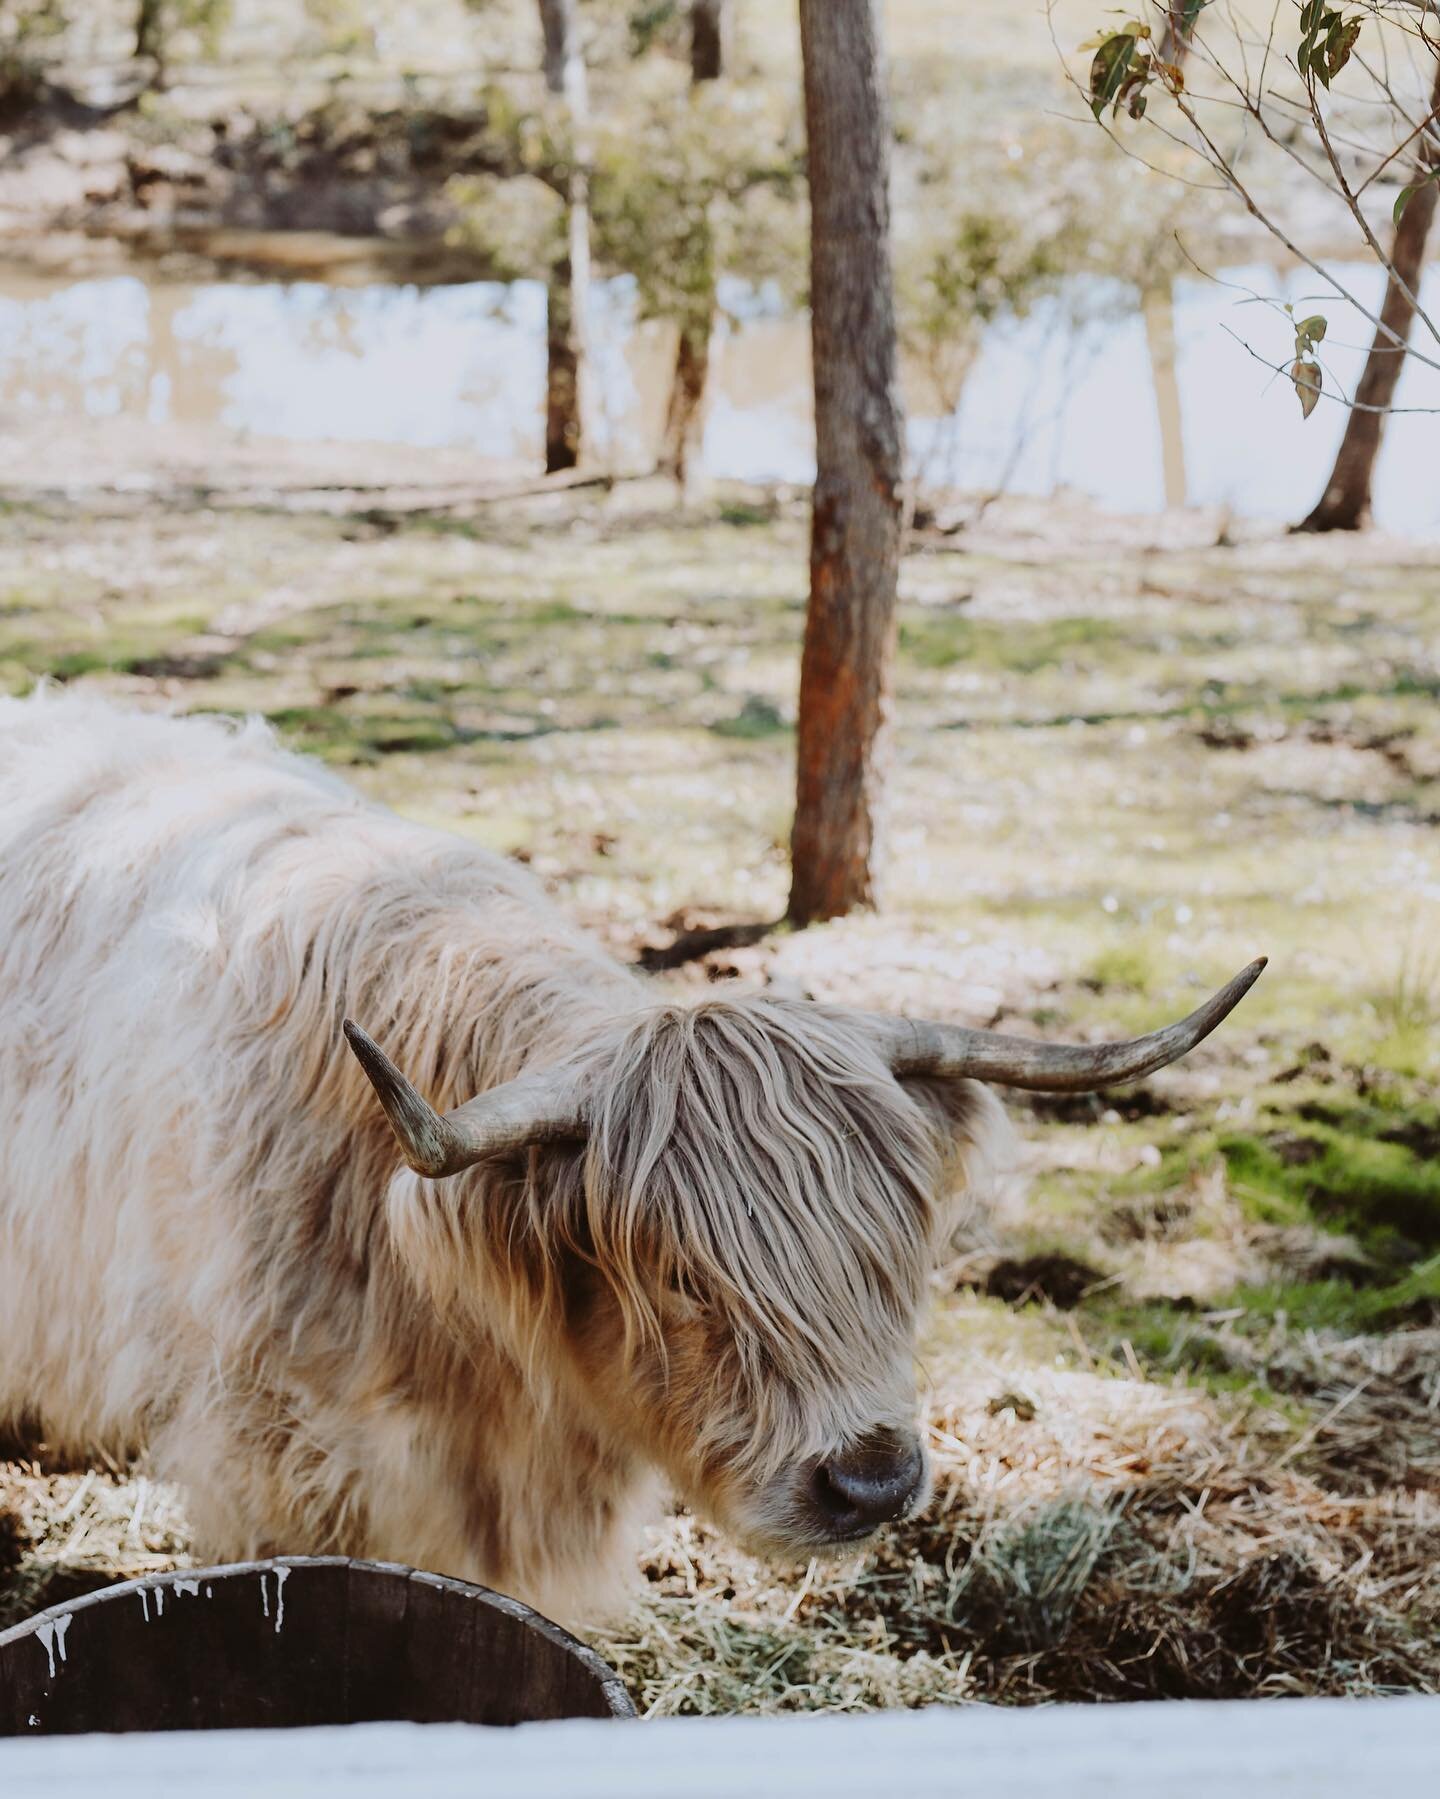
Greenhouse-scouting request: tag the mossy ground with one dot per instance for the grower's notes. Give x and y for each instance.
(1184, 1383)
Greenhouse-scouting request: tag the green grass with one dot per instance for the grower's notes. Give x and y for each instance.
(1340, 1306)
(1342, 1172)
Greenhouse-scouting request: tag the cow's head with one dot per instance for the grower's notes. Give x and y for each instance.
(730, 1210)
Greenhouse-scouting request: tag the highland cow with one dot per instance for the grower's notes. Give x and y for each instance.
(644, 1240)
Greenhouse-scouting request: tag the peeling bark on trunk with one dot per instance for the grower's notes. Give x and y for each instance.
(857, 519)
(1345, 503)
(568, 286)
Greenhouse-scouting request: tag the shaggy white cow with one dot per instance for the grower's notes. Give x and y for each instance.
(670, 1240)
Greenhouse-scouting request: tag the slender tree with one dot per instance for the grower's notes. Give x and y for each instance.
(150, 36)
(1335, 102)
(1345, 503)
(568, 286)
(710, 24)
(1176, 37)
(157, 20)
(709, 55)
(1159, 313)
(857, 514)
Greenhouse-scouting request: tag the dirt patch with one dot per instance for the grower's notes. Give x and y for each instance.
(1060, 1279)
(1419, 1136)
(12, 1542)
(1315, 1062)
(1230, 734)
(1278, 1625)
(1127, 1104)
(1293, 1151)
(23, 1442)
(177, 668)
(1317, 1111)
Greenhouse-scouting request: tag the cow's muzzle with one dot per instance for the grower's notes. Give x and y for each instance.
(868, 1483)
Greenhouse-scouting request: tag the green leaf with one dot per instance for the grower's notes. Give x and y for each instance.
(1109, 69)
(1326, 42)
(1407, 194)
(1310, 332)
(1338, 45)
(1308, 378)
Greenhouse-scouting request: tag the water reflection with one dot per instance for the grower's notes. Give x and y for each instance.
(1088, 392)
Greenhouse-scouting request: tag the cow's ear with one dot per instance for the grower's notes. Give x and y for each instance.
(453, 1232)
(974, 1128)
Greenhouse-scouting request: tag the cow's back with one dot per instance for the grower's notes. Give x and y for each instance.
(155, 877)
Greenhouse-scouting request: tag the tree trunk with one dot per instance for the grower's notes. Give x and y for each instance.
(857, 516)
(1160, 338)
(709, 39)
(150, 35)
(1345, 503)
(685, 414)
(568, 286)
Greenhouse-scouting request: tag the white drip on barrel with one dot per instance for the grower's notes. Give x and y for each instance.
(52, 1639)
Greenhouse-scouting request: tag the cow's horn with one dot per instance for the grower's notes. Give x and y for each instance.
(948, 1051)
(532, 1109)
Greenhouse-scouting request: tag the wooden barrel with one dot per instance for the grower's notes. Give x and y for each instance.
(298, 1640)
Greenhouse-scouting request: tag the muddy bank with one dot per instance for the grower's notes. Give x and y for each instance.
(342, 190)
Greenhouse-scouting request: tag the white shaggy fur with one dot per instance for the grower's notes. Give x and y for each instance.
(208, 1245)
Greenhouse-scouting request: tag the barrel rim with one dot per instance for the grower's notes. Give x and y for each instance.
(617, 1698)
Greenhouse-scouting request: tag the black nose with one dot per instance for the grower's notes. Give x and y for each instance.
(867, 1484)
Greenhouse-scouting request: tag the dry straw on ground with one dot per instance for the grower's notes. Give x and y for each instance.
(1094, 1535)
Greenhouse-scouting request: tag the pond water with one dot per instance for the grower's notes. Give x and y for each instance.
(1088, 393)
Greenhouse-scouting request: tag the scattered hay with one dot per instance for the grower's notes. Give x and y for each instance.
(1092, 1537)
(1096, 1533)
(73, 1532)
